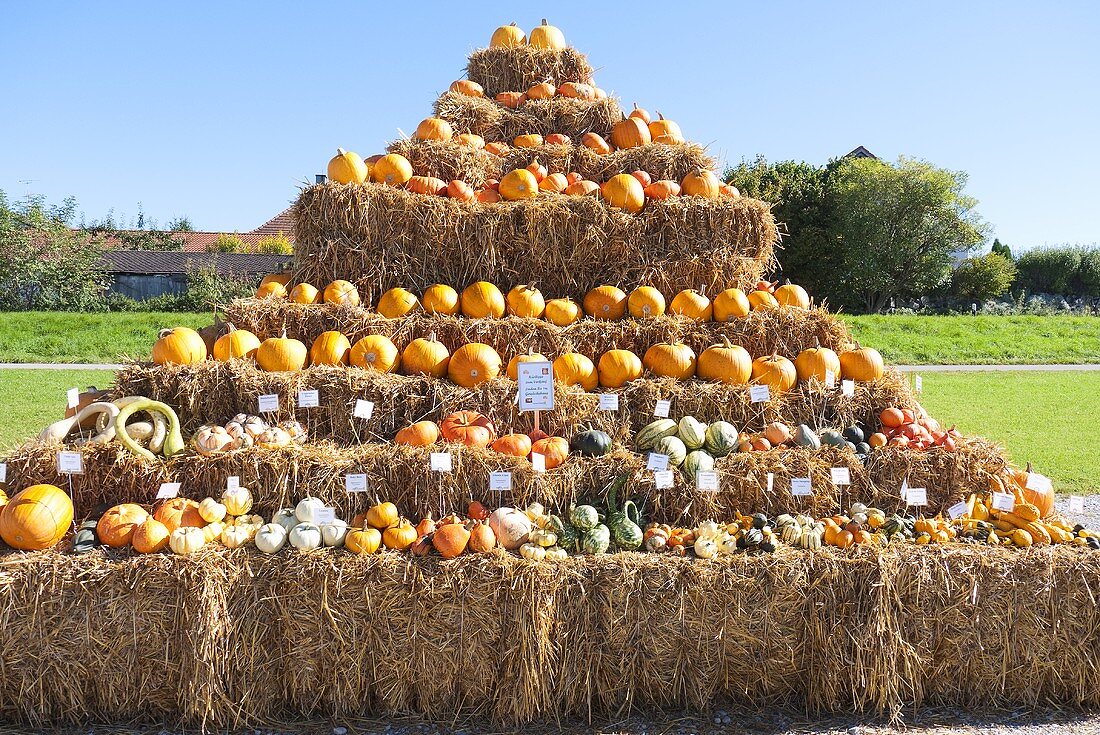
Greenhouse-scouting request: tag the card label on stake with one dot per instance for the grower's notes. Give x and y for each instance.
(309, 398)
(663, 479)
(848, 388)
(1004, 501)
(538, 462)
(916, 496)
(957, 510)
(760, 393)
(72, 397)
(904, 487)
(771, 481)
(232, 482)
(918, 383)
(657, 462)
(70, 463)
(355, 483)
(1039, 483)
(168, 490)
(609, 401)
(501, 482)
(363, 409)
(324, 515)
(662, 408)
(3, 471)
(706, 481)
(830, 378)
(841, 475)
(268, 403)
(801, 487)
(1076, 504)
(536, 386)
(441, 462)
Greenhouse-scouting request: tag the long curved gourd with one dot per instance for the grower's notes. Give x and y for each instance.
(154, 439)
(173, 442)
(58, 430)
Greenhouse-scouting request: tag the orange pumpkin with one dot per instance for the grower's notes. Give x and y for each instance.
(624, 191)
(663, 189)
(496, 148)
(375, 352)
(461, 191)
(618, 367)
(543, 91)
(36, 518)
(482, 300)
(330, 348)
(558, 139)
(397, 302)
(305, 293)
(526, 300)
(537, 169)
(434, 128)
(577, 91)
(473, 364)
(116, 527)
(774, 371)
(596, 143)
(583, 188)
(468, 88)
(513, 364)
(519, 184)
(554, 449)
(562, 312)
(605, 302)
(700, 183)
(150, 536)
(675, 360)
(511, 100)
(342, 292)
(440, 299)
(554, 183)
(692, 304)
(179, 513)
(527, 140)
(470, 139)
(731, 304)
(392, 169)
(469, 428)
(427, 185)
(641, 113)
(271, 290)
(630, 132)
(425, 356)
(665, 131)
(573, 368)
(420, 434)
(514, 445)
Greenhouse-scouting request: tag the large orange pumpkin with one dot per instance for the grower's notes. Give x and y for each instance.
(618, 367)
(670, 360)
(514, 445)
(624, 191)
(116, 527)
(150, 536)
(605, 302)
(562, 312)
(573, 368)
(178, 513)
(519, 184)
(375, 352)
(630, 132)
(513, 365)
(397, 302)
(774, 371)
(481, 300)
(330, 348)
(425, 356)
(553, 448)
(469, 428)
(420, 434)
(731, 304)
(36, 518)
(700, 183)
(440, 299)
(342, 292)
(392, 169)
(473, 364)
(179, 346)
(526, 300)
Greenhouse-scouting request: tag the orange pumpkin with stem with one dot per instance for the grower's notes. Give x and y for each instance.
(618, 367)
(554, 449)
(469, 428)
(425, 356)
(513, 445)
(375, 352)
(513, 365)
(596, 143)
(774, 371)
(573, 368)
(472, 364)
(630, 132)
(420, 434)
(36, 518)
(440, 299)
(605, 302)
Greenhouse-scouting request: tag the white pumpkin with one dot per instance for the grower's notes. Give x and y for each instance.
(273, 438)
(211, 510)
(295, 430)
(244, 424)
(705, 548)
(306, 510)
(212, 531)
(237, 501)
(186, 540)
(234, 537)
(270, 538)
(333, 534)
(512, 527)
(305, 536)
(285, 518)
(209, 440)
(252, 521)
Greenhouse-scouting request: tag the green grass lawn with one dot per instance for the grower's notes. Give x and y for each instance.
(980, 340)
(1020, 410)
(65, 337)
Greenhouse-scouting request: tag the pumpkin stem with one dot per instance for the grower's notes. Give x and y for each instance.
(340, 151)
(660, 116)
(544, 22)
(284, 332)
(513, 24)
(164, 333)
(232, 328)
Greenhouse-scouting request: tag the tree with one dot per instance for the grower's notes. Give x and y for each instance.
(898, 227)
(1001, 249)
(983, 278)
(227, 243)
(180, 224)
(275, 244)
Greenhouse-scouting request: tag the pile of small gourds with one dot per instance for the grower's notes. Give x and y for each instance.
(244, 431)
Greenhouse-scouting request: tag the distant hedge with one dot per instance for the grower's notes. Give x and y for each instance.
(1065, 271)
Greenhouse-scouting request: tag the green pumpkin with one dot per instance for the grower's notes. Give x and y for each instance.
(673, 447)
(804, 436)
(591, 443)
(692, 432)
(569, 538)
(623, 524)
(554, 523)
(653, 432)
(596, 540)
(584, 517)
(721, 439)
(697, 461)
(833, 438)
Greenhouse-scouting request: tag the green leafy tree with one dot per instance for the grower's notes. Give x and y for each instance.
(226, 243)
(1002, 249)
(897, 228)
(275, 244)
(180, 224)
(983, 278)
(1050, 270)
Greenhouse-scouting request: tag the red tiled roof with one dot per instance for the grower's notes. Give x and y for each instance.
(283, 223)
(198, 242)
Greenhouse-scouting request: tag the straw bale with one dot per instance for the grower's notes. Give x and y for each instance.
(518, 69)
(380, 237)
(455, 161)
(786, 331)
(493, 121)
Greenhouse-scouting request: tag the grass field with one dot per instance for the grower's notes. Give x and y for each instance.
(1020, 410)
(906, 340)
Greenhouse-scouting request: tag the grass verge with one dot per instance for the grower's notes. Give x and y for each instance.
(67, 337)
(31, 399)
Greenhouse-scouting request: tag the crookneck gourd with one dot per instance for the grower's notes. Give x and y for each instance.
(58, 430)
(173, 442)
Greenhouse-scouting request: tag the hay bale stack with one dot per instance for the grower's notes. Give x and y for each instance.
(493, 121)
(449, 161)
(234, 639)
(380, 237)
(786, 331)
(518, 69)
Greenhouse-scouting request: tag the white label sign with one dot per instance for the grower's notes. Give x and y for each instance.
(309, 399)
(268, 403)
(663, 479)
(1004, 501)
(771, 481)
(70, 463)
(501, 482)
(904, 487)
(232, 482)
(706, 481)
(609, 401)
(958, 510)
(538, 462)
(830, 378)
(1076, 504)
(72, 397)
(760, 394)
(441, 462)
(355, 483)
(3, 471)
(657, 462)
(848, 388)
(363, 409)
(918, 383)
(324, 515)
(916, 496)
(168, 490)
(841, 475)
(1039, 483)
(662, 408)
(801, 487)
(536, 386)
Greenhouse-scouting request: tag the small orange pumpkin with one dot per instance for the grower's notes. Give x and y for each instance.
(420, 434)
(513, 445)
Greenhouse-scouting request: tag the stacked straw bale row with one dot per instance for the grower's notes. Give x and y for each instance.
(213, 392)
(449, 161)
(280, 478)
(493, 121)
(233, 639)
(380, 237)
(518, 69)
(785, 331)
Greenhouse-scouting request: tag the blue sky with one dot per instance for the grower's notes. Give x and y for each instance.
(220, 110)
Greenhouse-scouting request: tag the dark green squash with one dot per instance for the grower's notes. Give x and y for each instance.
(854, 434)
(832, 438)
(804, 436)
(591, 443)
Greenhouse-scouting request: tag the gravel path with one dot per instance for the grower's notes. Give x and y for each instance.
(1090, 518)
